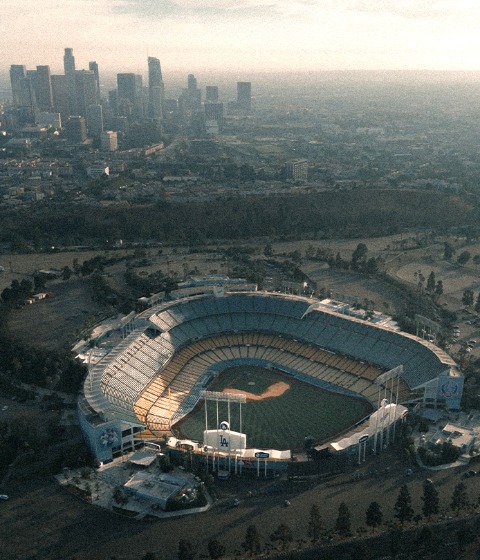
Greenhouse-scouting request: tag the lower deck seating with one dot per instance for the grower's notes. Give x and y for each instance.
(161, 401)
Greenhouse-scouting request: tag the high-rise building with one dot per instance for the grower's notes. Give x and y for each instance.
(43, 89)
(129, 95)
(60, 95)
(211, 94)
(155, 89)
(94, 121)
(76, 130)
(69, 68)
(191, 98)
(23, 92)
(18, 72)
(93, 66)
(85, 90)
(214, 112)
(244, 97)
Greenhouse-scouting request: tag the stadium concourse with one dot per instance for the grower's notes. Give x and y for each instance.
(151, 370)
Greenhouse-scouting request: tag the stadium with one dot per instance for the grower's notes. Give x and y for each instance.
(211, 372)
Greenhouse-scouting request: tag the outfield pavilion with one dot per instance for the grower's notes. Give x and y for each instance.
(156, 373)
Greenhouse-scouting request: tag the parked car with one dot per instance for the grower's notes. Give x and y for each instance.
(3, 497)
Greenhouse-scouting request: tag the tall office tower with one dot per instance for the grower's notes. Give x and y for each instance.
(85, 90)
(214, 112)
(60, 95)
(76, 130)
(191, 98)
(17, 73)
(94, 121)
(69, 68)
(155, 89)
(23, 92)
(244, 97)
(211, 94)
(43, 89)
(93, 66)
(129, 95)
(191, 82)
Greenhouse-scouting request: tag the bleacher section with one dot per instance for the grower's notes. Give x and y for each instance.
(151, 374)
(177, 389)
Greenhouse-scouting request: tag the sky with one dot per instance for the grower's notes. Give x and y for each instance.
(243, 35)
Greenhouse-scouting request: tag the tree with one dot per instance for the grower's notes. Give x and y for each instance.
(215, 549)
(149, 556)
(268, 251)
(373, 515)
(403, 506)
(448, 251)
(459, 498)
(477, 304)
(282, 533)
(359, 256)
(431, 282)
(439, 289)
(185, 550)
(314, 523)
(342, 524)
(463, 257)
(360, 552)
(467, 298)
(252, 540)
(430, 500)
(428, 540)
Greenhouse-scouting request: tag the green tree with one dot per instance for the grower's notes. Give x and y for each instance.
(459, 498)
(360, 552)
(314, 523)
(373, 515)
(359, 256)
(215, 549)
(283, 534)
(467, 298)
(343, 521)
(149, 556)
(431, 282)
(252, 540)
(430, 498)
(186, 550)
(477, 304)
(439, 289)
(448, 251)
(463, 257)
(403, 506)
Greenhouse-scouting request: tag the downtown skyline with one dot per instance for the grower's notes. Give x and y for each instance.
(245, 35)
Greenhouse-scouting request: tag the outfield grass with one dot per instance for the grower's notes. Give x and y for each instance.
(278, 423)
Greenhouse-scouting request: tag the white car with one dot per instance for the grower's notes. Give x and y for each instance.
(3, 497)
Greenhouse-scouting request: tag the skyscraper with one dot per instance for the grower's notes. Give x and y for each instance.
(129, 95)
(23, 93)
(43, 89)
(244, 97)
(61, 102)
(94, 119)
(69, 68)
(85, 90)
(93, 66)
(211, 94)
(155, 89)
(18, 72)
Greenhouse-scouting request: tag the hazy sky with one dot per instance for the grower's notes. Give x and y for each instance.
(243, 35)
